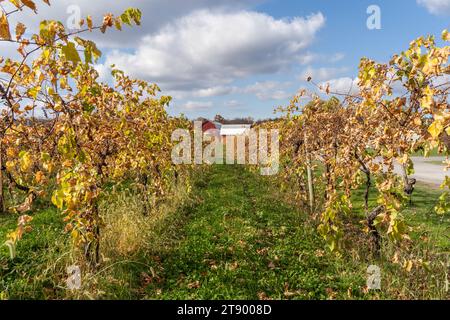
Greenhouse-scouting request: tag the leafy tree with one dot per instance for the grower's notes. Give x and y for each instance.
(65, 134)
(399, 107)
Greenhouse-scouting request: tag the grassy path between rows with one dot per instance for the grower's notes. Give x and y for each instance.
(232, 238)
(241, 242)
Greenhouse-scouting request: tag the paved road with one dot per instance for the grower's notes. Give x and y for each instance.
(428, 170)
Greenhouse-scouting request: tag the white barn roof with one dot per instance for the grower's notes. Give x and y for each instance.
(217, 124)
(234, 129)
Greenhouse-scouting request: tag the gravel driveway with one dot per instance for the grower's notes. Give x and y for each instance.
(427, 170)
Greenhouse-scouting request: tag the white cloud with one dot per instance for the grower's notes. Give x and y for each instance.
(321, 74)
(269, 90)
(155, 14)
(347, 85)
(310, 57)
(307, 58)
(201, 93)
(196, 49)
(197, 105)
(344, 85)
(104, 72)
(437, 7)
(337, 57)
(208, 49)
(213, 92)
(233, 104)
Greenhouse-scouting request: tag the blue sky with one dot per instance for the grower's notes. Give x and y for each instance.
(344, 35)
(245, 57)
(345, 32)
(345, 29)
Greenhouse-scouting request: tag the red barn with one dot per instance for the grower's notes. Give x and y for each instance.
(211, 128)
(208, 125)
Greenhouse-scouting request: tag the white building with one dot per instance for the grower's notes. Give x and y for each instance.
(234, 130)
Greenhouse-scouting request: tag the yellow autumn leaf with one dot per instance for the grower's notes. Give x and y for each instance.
(417, 121)
(20, 30)
(25, 161)
(67, 163)
(39, 176)
(58, 199)
(68, 227)
(408, 265)
(427, 99)
(89, 22)
(11, 152)
(16, 3)
(447, 130)
(404, 159)
(10, 165)
(33, 92)
(445, 35)
(30, 4)
(4, 28)
(395, 259)
(75, 234)
(436, 129)
(375, 167)
(63, 83)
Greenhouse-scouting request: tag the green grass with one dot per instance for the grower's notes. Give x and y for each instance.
(420, 214)
(35, 273)
(430, 242)
(234, 240)
(243, 243)
(433, 153)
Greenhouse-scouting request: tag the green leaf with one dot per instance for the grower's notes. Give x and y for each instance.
(44, 30)
(90, 49)
(125, 18)
(118, 24)
(88, 108)
(70, 52)
(131, 14)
